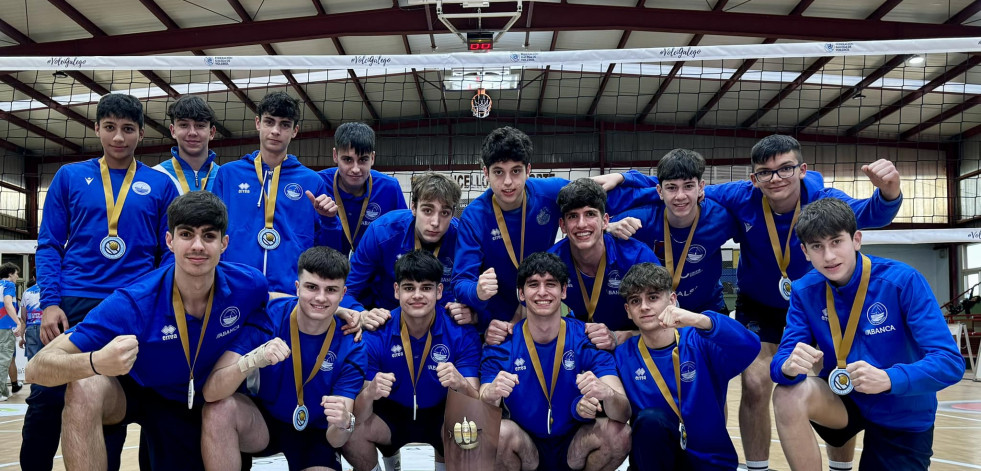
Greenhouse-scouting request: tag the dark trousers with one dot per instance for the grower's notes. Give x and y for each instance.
(42, 423)
(656, 444)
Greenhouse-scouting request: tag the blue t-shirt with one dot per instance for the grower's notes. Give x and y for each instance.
(700, 287)
(193, 178)
(69, 258)
(620, 256)
(145, 309)
(452, 343)
(708, 359)
(527, 403)
(372, 277)
(758, 275)
(340, 374)
(298, 223)
(902, 331)
(8, 288)
(386, 195)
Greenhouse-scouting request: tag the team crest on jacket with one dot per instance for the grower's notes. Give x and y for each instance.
(569, 360)
(141, 188)
(543, 217)
(877, 313)
(440, 353)
(613, 280)
(328, 363)
(696, 253)
(229, 316)
(293, 191)
(373, 211)
(688, 371)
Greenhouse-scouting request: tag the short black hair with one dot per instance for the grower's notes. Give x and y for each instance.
(119, 105)
(580, 193)
(280, 105)
(191, 107)
(197, 209)
(772, 146)
(325, 262)
(542, 263)
(645, 276)
(355, 135)
(435, 186)
(418, 265)
(506, 144)
(8, 269)
(826, 217)
(681, 164)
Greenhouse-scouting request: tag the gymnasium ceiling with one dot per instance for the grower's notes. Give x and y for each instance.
(737, 104)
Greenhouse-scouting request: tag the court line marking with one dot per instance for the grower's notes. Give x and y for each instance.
(859, 449)
(959, 417)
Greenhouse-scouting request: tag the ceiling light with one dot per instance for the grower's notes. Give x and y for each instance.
(916, 60)
(58, 74)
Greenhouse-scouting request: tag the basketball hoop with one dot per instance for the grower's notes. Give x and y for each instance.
(481, 104)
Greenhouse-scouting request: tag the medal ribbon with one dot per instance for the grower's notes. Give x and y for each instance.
(499, 215)
(115, 207)
(783, 258)
(669, 250)
(414, 374)
(343, 214)
(656, 374)
(179, 314)
(844, 345)
(183, 181)
(435, 252)
(273, 189)
(298, 360)
(594, 295)
(537, 363)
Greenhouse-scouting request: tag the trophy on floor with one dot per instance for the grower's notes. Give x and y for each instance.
(471, 429)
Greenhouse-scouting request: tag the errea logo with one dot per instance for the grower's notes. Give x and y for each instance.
(519, 364)
(397, 351)
(168, 332)
(640, 375)
(243, 188)
(495, 234)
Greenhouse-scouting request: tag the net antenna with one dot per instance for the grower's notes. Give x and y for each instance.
(479, 14)
(481, 104)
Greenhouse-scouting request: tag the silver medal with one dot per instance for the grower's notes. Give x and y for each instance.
(190, 394)
(684, 436)
(112, 247)
(268, 239)
(300, 416)
(784, 288)
(840, 381)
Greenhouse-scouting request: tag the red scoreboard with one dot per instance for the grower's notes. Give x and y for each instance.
(480, 41)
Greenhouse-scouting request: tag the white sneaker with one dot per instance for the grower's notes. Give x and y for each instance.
(3, 398)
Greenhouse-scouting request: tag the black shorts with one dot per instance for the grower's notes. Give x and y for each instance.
(302, 449)
(553, 452)
(883, 448)
(425, 429)
(171, 430)
(765, 321)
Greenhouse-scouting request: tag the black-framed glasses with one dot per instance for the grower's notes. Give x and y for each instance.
(784, 172)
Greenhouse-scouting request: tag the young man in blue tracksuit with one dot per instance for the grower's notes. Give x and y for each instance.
(515, 217)
(411, 362)
(697, 352)
(308, 375)
(554, 383)
(599, 262)
(697, 230)
(192, 165)
(104, 226)
(11, 325)
(271, 221)
(882, 343)
(429, 225)
(144, 353)
(362, 194)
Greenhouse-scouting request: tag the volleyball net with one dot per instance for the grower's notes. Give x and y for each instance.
(587, 112)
